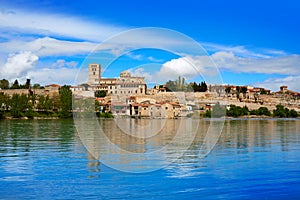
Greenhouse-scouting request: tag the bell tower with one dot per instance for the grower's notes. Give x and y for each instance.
(94, 73)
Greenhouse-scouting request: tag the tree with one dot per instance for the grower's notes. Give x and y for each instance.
(41, 103)
(37, 86)
(4, 84)
(15, 85)
(48, 103)
(100, 93)
(263, 111)
(237, 111)
(65, 96)
(293, 113)
(27, 84)
(218, 111)
(19, 103)
(170, 86)
(280, 111)
(263, 91)
(227, 90)
(244, 91)
(97, 106)
(203, 87)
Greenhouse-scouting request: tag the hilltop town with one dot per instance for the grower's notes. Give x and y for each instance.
(128, 95)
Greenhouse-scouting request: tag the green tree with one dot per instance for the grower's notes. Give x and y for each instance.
(65, 96)
(280, 111)
(41, 103)
(203, 87)
(263, 91)
(15, 85)
(218, 111)
(227, 90)
(244, 91)
(237, 111)
(100, 93)
(19, 103)
(48, 103)
(263, 111)
(4, 84)
(97, 106)
(171, 86)
(27, 84)
(293, 113)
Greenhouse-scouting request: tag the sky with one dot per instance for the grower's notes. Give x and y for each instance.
(242, 42)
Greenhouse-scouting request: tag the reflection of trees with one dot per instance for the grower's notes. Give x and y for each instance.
(32, 135)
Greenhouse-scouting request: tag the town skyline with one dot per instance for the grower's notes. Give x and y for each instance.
(251, 44)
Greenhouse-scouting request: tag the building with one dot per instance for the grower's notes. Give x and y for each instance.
(125, 85)
(94, 73)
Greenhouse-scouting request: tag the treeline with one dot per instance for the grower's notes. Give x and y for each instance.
(4, 84)
(181, 85)
(32, 105)
(237, 111)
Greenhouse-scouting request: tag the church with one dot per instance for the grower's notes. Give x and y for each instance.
(125, 85)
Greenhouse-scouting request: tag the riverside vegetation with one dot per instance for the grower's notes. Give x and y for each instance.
(237, 111)
(32, 105)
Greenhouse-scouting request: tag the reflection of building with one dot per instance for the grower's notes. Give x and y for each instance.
(125, 85)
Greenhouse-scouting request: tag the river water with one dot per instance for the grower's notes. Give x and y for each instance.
(253, 159)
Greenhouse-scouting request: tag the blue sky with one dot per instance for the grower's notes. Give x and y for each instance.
(251, 42)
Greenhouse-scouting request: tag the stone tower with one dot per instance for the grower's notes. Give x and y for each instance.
(94, 73)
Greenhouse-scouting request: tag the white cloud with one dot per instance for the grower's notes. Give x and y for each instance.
(59, 76)
(55, 24)
(243, 51)
(272, 65)
(188, 67)
(47, 46)
(17, 65)
(274, 83)
(61, 63)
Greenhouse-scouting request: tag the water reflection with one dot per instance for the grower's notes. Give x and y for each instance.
(21, 137)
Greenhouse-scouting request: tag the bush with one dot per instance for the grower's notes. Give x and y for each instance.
(237, 111)
(281, 111)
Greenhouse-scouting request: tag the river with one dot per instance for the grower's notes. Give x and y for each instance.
(252, 159)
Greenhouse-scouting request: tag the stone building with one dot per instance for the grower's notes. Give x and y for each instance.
(125, 85)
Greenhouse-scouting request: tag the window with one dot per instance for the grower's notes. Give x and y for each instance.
(166, 108)
(145, 108)
(94, 73)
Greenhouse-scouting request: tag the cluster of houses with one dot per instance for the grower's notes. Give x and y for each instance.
(128, 95)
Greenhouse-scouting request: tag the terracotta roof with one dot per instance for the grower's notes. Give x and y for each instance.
(53, 85)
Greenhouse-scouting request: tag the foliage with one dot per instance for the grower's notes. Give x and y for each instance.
(178, 85)
(4, 84)
(261, 111)
(218, 111)
(227, 90)
(65, 97)
(100, 93)
(263, 91)
(19, 104)
(105, 115)
(37, 86)
(283, 112)
(15, 85)
(201, 87)
(237, 111)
